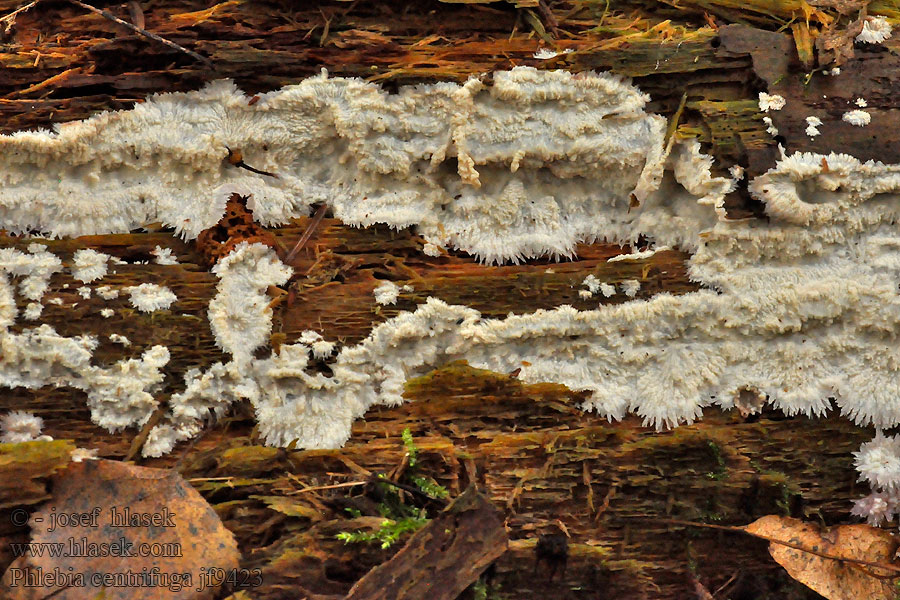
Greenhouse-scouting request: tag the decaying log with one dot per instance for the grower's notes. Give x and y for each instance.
(545, 464)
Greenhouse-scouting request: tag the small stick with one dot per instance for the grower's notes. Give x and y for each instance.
(306, 234)
(140, 31)
(138, 442)
(549, 18)
(10, 19)
(410, 489)
(236, 158)
(45, 83)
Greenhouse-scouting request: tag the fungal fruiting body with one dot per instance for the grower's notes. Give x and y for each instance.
(769, 102)
(860, 118)
(240, 315)
(527, 166)
(148, 297)
(875, 30)
(386, 293)
(812, 126)
(163, 256)
(803, 307)
(89, 265)
(20, 426)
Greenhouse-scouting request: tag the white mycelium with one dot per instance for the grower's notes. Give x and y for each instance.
(527, 166)
(802, 307)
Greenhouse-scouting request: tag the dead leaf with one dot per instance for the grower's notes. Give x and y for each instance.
(835, 45)
(835, 579)
(124, 531)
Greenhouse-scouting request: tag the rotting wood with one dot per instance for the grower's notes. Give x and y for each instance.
(443, 558)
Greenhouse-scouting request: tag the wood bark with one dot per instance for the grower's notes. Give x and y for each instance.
(549, 467)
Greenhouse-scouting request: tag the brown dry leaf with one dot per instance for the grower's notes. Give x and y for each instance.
(835, 45)
(834, 579)
(168, 551)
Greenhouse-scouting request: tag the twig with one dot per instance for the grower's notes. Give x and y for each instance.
(327, 487)
(47, 82)
(10, 19)
(410, 489)
(140, 31)
(549, 18)
(138, 442)
(320, 213)
(726, 584)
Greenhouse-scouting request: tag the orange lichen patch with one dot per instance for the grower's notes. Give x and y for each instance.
(236, 226)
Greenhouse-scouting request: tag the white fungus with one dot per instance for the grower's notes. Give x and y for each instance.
(309, 337)
(84, 291)
(107, 312)
(770, 127)
(861, 102)
(592, 284)
(386, 293)
(239, 314)
(117, 338)
(630, 287)
(737, 172)
(491, 169)
(163, 256)
(34, 269)
(802, 307)
(769, 102)
(608, 290)
(860, 118)
(33, 311)
(89, 265)
(322, 349)
(149, 297)
(875, 30)
(107, 293)
(585, 294)
(430, 249)
(81, 454)
(812, 126)
(547, 53)
(20, 426)
(638, 255)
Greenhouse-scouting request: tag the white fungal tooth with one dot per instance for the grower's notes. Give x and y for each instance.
(769, 102)
(148, 297)
(860, 118)
(163, 256)
(89, 265)
(630, 287)
(386, 293)
(20, 426)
